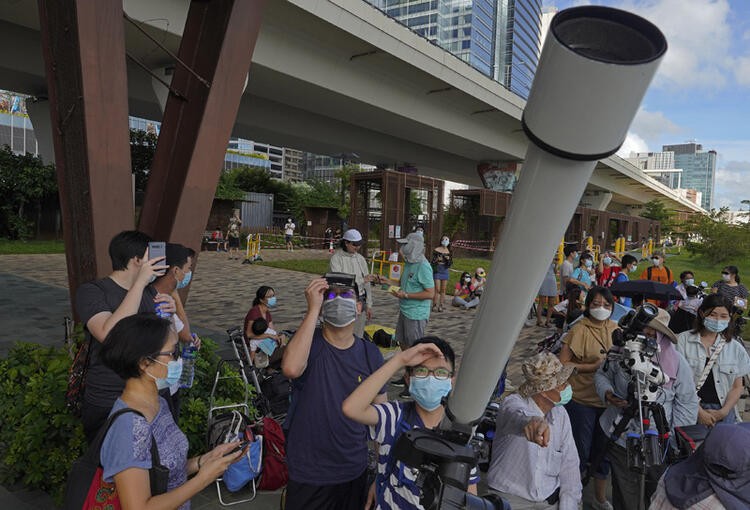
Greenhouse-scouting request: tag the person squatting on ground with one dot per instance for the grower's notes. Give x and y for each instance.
(715, 477)
(430, 374)
(442, 260)
(717, 359)
(326, 451)
(585, 348)
(677, 397)
(463, 293)
(143, 350)
(346, 259)
(534, 462)
(102, 303)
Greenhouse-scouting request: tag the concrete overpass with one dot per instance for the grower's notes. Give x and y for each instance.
(333, 76)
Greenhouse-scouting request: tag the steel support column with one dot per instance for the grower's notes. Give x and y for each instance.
(83, 42)
(217, 44)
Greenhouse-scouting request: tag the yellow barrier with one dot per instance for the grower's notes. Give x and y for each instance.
(647, 249)
(252, 252)
(394, 268)
(620, 247)
(561, 252)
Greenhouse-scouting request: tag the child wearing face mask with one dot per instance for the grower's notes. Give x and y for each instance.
(430, 372)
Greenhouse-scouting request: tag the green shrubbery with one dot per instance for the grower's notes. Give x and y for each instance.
(40, 438)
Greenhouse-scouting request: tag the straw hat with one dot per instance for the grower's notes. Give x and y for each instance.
(661, 324)
(543, 372)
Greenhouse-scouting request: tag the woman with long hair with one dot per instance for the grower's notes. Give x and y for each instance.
(442, 259)
(718, 360)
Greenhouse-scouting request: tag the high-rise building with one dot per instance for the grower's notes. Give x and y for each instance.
(499, 38)
(660, 166)
(698, 169)
(293, 165)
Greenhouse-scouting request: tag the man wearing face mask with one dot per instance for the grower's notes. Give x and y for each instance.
(629, 266)
(102, 303)
(430, 372)
(327, 452)
(658, 272)
(534, 459)
(607, 270)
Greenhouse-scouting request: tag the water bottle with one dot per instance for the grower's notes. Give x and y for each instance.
(189, 353)
(163, 315)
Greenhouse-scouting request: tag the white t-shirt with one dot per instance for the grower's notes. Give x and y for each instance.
(255, 342)
(289, 229)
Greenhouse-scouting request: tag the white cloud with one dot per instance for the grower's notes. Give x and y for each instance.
(742, 71)
(632, 143)
(698, 33)
(731, 184)
(652, 126)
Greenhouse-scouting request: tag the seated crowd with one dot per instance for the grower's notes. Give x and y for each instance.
(561, 427)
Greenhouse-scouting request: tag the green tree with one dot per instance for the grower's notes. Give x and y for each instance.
(227, 189)
(344, 176)
(142, 150)
(717, 240)
(24, 181)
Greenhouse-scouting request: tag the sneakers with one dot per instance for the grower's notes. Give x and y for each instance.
(605, 505)
(400, 382)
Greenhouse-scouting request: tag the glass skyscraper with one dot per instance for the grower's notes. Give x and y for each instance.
(499, 38)
(698, 169)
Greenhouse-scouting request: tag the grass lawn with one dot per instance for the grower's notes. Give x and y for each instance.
(703, 270)
(8, 247)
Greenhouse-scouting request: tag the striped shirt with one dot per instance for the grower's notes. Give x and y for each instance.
(396, 489)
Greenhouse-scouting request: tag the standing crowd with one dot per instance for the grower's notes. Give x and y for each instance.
(552, 434)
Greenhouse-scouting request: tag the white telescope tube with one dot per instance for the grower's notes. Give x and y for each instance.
(594, 69)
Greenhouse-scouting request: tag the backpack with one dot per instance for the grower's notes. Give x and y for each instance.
(86, 488)
(77, 377)
(650, 270)
(276, 389)
(275, 473)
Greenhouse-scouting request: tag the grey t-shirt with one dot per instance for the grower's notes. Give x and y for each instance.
(566, 269)
(103, 386)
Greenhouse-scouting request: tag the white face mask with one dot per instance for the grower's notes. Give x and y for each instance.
(656, 262)
(725, 277)
(689, 281)
(600, 313)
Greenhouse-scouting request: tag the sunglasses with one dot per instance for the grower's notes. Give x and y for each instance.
(725, 272)
(344, 293)
(355, 243)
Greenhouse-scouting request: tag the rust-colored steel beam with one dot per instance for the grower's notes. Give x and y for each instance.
(217, 44)
(83, 42)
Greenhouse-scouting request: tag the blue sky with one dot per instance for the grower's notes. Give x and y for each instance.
(702, 89)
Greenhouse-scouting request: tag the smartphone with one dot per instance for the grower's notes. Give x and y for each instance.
(158, 249)
(239, 448)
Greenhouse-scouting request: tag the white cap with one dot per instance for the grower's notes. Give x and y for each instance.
(352, 235)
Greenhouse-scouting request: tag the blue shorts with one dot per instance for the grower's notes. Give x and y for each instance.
(440, 273)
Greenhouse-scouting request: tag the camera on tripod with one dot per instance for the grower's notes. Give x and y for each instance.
(634, 351)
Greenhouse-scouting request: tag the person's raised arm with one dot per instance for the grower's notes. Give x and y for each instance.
(294, 362)
(357, 406)
(100, 324)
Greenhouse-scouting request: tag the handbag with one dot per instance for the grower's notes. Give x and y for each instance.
(86, 488)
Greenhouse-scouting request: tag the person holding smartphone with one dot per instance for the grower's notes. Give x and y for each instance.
(103, 303)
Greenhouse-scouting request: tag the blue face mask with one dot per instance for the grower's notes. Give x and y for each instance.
(565, 396)
(428, 392)
(185, 281)
(174, 371)
(607, 261)
(588, 263)
(271, 302)
(714, 325)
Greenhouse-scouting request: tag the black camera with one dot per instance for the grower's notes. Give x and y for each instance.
(632, 324)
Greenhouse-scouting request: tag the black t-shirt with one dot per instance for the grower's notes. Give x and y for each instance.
(103, 386)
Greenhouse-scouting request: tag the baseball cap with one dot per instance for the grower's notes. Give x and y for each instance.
(352, 235)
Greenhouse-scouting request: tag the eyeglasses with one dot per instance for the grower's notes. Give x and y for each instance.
(344, 293)
(725, 272)
(174, 354)
(440, 373)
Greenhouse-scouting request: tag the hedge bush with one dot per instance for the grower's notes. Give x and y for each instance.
(40, 438)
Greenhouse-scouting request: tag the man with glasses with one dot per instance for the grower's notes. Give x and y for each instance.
(430, 373)
(327, 452)
(346, 259)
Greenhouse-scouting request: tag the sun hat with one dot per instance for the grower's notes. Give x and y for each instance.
(352, 235)
(543, 372)
(661, 324)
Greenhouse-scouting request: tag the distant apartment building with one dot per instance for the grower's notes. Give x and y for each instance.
(15, 127)
(698, 169)
(294, 167)
(499, 38)
(660, 166)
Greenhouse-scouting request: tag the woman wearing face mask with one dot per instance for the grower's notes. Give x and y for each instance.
(142, 349)
(442, 260)
(718, 361)
(585, 348)
(430, 373)
(462, 293)
(730, 287)
(581, 275)
(265, 299)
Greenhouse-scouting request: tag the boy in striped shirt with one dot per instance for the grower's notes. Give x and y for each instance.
(430, 373)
